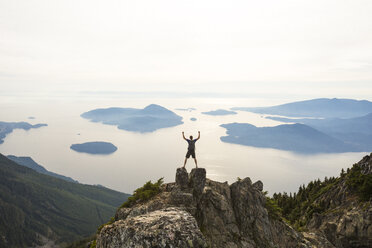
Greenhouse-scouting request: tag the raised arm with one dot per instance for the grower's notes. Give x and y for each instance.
(183, 135)
(198, 135)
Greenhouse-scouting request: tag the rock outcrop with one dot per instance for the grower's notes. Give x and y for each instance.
(198, 212)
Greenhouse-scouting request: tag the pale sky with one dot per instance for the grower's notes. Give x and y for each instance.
(319, 46)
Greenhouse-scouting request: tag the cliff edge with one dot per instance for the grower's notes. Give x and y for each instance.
(198, 212)
(195, 211)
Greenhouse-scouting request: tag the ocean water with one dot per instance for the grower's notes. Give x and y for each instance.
(149, 156)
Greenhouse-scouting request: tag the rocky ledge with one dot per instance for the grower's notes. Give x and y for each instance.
(198, 212)
(195, 211)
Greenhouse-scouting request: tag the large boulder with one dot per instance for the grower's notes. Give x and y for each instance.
(169, 227)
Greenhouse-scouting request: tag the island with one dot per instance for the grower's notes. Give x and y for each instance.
(291, 137)
(148, 119)
(193, 119)
(96, 147)
(220, 112)
(8, 127)
(322, 107)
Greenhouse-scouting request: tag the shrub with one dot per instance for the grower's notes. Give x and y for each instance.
(93, 244)
(274, 211)
(144, 193)
(360, 183)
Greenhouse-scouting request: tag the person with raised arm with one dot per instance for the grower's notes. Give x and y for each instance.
(191, 148)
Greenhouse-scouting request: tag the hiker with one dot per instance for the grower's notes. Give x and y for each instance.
(191, 148)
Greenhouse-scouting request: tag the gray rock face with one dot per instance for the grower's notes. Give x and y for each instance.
(169, 227)
(258, 185)
(366, 165)
(197, 180)
(182, 178)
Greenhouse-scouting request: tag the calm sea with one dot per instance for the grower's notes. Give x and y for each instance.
(149, 156)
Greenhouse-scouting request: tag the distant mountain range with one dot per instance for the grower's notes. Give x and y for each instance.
(35, 208)
(336, 131)
(322, 107)
(362, 124)
(8, 127)
(149, 119)
(354, 131)
(30, 163)
(96, 147)
(294, 137)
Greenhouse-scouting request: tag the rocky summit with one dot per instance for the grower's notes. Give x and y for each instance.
(198, 212)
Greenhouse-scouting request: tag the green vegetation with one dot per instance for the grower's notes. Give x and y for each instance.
(300, 207)
(359, 182)
(274, 211)
(32, 203)
(143, 193)
(93, 244)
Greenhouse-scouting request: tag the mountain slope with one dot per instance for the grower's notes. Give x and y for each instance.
(30, 163)
(34, 205)
(338, 209)
(322, 107)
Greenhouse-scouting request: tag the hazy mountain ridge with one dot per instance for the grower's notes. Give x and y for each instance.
(292, 137)
(345, 126)
(360, 124)
(149, 119)
(321, 107)
(30, 163)
(34, 204)
(356, 131)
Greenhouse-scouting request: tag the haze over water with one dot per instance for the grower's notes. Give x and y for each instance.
(149, 156)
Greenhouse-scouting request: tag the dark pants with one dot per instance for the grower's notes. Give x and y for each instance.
(190, 153)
